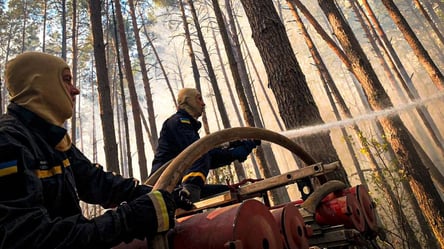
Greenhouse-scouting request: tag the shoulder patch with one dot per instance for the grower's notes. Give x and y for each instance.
(8, 168)
(185, 120)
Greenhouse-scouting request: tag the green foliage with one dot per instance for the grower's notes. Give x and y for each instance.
(390, 175)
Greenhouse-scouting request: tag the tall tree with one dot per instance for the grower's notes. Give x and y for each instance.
(75, 54)
(419, 50)
(107, 118)
(428, 17)
(159, 61)
(258, 77)
(25, 19)
(146, 82)
(392, 71)
(241, 66)
(196, 73)
(45, 7)
(397, 135)
(329, 87)
(224, 71)
(123, 103)
(210, 70)
(264, 154)
(295, 101)
(63, 22)
(133, 94)
(426, 231)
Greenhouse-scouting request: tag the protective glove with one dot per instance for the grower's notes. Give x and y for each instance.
(182, 198)
(236, 143)
(243, 149)
(191, 191)
(147, 215)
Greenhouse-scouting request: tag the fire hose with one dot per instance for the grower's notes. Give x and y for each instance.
(170, 175)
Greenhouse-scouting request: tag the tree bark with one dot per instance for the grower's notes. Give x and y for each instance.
(194, 66)
(420, 52)
(75, 52)
(146, 82)
(396, 133)
(162, 68)
(295, 102)
(133, 95)
(129, 161)
(210, 70)
(107, 118)
(278, 195)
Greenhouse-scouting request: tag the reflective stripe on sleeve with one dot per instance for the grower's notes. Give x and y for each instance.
(194, 174)
(161, 211)
(56, 170)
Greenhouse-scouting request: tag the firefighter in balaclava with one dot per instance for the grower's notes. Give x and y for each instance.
(181, 130)
(43, 175)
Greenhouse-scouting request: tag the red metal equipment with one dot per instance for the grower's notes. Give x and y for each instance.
(292, 226)
(332, 216)
(248, 225)
(368, 207)
(344, 210)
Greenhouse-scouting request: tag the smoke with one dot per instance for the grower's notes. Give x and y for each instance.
(365, 117)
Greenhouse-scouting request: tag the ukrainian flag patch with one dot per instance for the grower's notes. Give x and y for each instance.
(185, 120)
(8, 168)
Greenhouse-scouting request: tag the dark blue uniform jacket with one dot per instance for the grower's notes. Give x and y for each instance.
(178, 132)
(40, 189)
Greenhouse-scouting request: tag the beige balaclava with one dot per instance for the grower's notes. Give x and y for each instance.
(34, 81)
(187, 100)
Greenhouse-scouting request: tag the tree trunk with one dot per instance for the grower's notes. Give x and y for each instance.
(194, 66)
(25, 18)
(426, 15)
(242, 68)
(327, 83)
(224, 71)
(420, 52)
(278, 195)
(45, 17)
(111, 155)
(425, 116)
(264, 154)
(295, 102)
(146, 82)
(133, 95)
(75, 53)
(397, 135)
(220, 103)
(261, 83)
(162, 68)
(129, 161)
(63, 31)
(433, 14)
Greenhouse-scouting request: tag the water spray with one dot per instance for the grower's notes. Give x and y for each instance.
(309, 130)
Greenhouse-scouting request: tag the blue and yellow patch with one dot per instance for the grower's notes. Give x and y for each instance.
(8, 168)
(185, 120)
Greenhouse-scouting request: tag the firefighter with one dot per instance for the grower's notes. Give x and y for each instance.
(43, 175)
(181, 130)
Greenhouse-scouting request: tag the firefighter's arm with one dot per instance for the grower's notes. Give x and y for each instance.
(96, 186)
(25, 221)
(239, 150)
